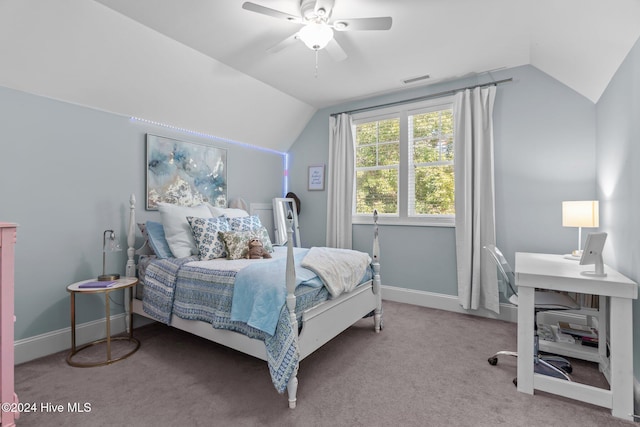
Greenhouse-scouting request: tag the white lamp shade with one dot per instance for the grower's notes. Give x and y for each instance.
(316, 35)
(583, 213)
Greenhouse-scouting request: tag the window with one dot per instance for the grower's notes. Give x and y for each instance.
(404, 164)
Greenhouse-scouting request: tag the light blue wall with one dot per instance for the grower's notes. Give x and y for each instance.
(66, 173)
(544, 154)
(618, 175)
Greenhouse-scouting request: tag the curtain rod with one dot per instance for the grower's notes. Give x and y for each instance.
(422, 98)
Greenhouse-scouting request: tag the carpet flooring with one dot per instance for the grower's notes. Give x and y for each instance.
(426, 368)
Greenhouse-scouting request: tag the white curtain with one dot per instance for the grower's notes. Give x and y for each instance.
(475, 199)
(340, 175)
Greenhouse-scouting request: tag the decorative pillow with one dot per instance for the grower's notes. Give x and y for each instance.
(208, 241)
(237, 242)
(262, 234)
(229, 212)
(245, 223)
(142, 226)
(146, 248)
(177, 229)
(157, 240)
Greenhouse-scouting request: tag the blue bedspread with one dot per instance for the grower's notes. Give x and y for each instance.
(260, 292)
(184, 288)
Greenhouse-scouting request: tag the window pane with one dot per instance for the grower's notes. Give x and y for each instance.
(367, 133)
(434, 190)
(447, 148)
(425, 151)
(432, 136)
(389, 130)
(446, 122)
(425, 125)
(388, 154)
(366, 156)
(377, 189)
(378, 143)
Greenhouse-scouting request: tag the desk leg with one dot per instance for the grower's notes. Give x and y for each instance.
(526, 319)
(621, 346)
(603, 320)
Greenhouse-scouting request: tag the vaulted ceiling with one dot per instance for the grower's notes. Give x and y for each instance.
(203, 65)
(579, 42)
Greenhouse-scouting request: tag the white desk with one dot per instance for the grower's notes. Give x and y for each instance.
(553, 272)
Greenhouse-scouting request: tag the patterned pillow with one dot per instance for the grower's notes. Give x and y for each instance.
(262, 234)
(205, 232)
(245, 223)
(237, 242)
(144, 249)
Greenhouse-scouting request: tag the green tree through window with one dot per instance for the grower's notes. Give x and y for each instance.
(377, 160)
(431, 139)
(404, 162)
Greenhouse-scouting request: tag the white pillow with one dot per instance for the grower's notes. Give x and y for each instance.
(177, 230)
(229, 212)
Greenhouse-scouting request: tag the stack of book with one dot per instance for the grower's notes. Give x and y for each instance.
(586, 334)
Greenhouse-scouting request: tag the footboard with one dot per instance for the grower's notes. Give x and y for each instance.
(327, 320)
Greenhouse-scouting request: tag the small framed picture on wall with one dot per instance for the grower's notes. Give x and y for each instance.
(316, 178)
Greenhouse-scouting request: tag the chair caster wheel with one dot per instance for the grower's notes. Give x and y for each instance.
(493, 361)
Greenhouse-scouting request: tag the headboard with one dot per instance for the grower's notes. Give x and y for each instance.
(264, 211)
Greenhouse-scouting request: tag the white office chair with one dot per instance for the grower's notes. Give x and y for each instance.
(554, 366)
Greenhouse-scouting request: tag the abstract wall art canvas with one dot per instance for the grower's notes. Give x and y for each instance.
(184, 173)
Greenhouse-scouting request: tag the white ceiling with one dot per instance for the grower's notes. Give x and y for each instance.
(579, 42)
(202, 65)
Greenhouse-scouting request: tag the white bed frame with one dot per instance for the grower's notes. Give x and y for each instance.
(319, 324)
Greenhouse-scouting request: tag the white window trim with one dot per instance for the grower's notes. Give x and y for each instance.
(403, 112)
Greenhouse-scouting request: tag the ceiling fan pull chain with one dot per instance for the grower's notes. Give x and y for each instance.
(316, 76)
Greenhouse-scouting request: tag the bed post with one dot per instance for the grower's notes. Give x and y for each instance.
(377, 314)
(130, 269)
(292, 386)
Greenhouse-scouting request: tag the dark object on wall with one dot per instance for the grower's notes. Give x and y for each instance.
(293, 196)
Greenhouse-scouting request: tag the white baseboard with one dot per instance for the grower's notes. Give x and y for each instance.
(508, 312)
(52, 342)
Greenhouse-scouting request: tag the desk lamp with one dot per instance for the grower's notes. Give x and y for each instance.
(583, 213)
(109, 243)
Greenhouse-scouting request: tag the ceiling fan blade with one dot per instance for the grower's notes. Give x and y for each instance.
(270, 12)
(335, 51)
(291, 40)
(363, 24)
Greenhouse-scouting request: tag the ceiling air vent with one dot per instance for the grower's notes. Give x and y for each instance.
(415, 79)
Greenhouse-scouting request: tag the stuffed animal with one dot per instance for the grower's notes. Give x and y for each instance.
(256, 250)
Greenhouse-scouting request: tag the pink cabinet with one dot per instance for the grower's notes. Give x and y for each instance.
(7, 319)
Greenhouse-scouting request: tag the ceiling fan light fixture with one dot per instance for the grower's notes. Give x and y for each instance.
(340, 25)
(316, 35)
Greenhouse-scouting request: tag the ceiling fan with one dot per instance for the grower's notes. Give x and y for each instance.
(318, 27)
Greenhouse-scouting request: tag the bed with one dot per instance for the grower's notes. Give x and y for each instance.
(224, 300)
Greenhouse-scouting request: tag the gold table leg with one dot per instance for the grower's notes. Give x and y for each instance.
(107, 340)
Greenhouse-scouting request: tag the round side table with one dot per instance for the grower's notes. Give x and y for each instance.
(123, 284)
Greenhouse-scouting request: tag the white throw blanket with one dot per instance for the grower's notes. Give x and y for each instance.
(340, 269)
